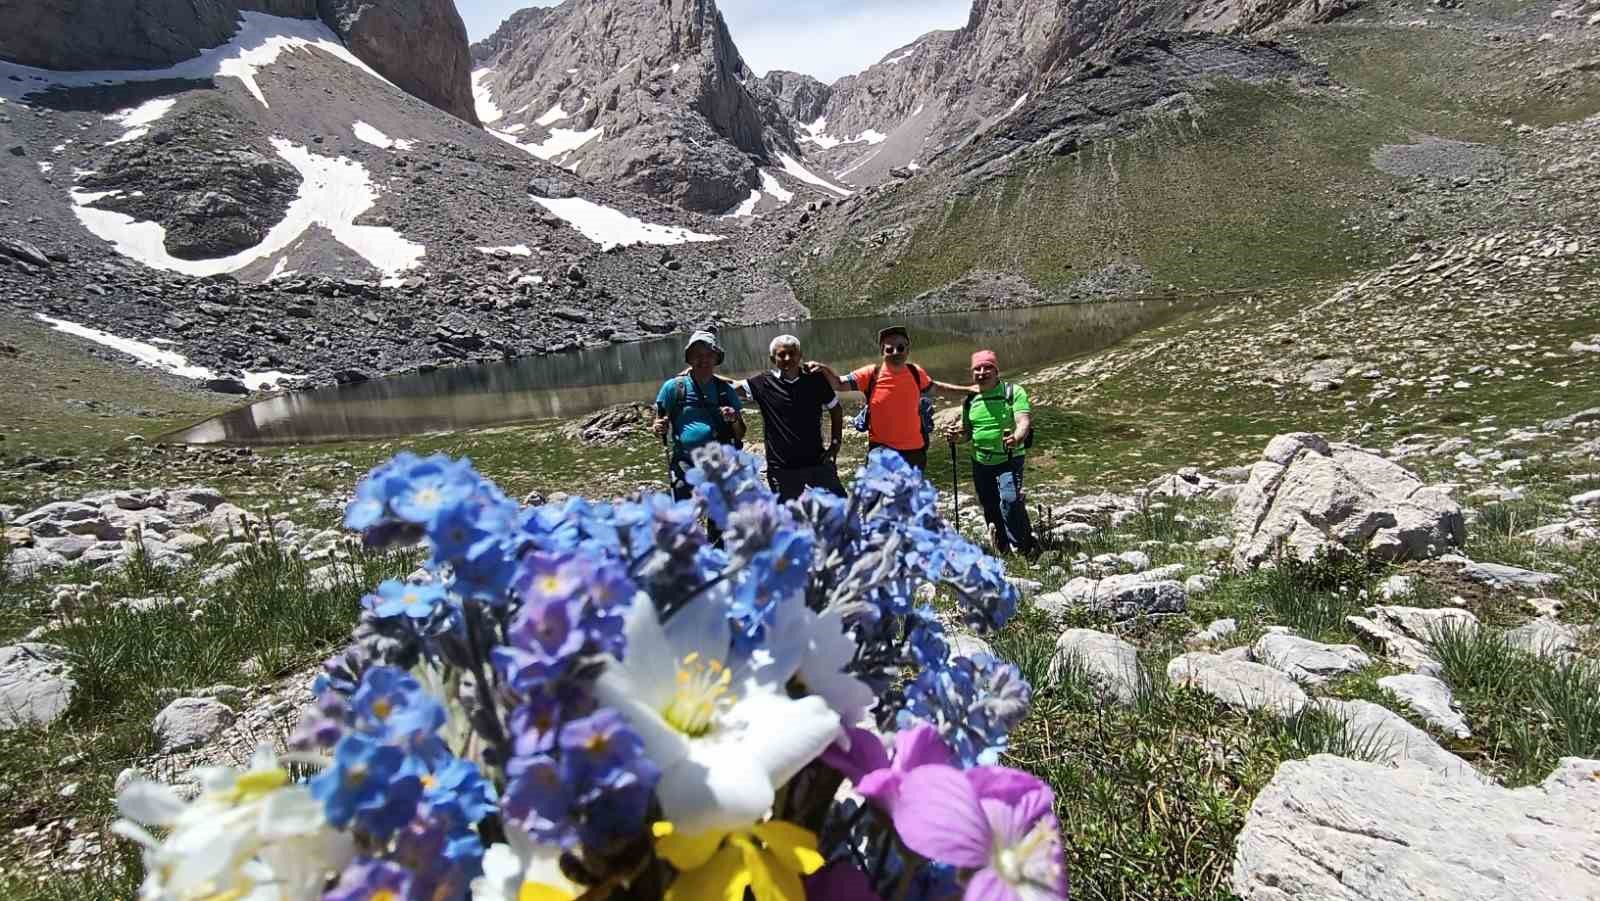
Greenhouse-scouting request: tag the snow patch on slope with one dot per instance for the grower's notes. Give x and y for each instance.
(613, 228)
(898, 57)
(817, 133)
(258, 43)
(483, 99)
(371, 135)
(155, 358)
(1018, 104)
(334, 192)
(552, 116)
(561, 140)
(746, 207)
(793, 167)
(775, 188)
(138, 119)
(516, 250)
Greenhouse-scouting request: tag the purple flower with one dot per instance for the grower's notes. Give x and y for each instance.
(994, 821)
(600, 743)
(392, 705)
(840, 881)
(365, 879)
(875, 776)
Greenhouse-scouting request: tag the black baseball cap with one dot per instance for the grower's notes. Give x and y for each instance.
(894, 330)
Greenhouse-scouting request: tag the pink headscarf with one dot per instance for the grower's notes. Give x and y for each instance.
(985, 356)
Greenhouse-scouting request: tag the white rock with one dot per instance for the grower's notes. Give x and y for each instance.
(36, 685)
(1500, 577)
(1308, 661)
(27, 562)
(1139, 561)
(1331, 829)
(963, 644)
(1380, 731)
(1199, 584)
(1430, 699)
(1218, 630)
(1216, 544)
(1238, 683)
(191, 722)
(1026, 588)
(1586, 499)
(1339, 498)
(1402, 633)
(1544, 638)
(1284, 448)
(1112, 663)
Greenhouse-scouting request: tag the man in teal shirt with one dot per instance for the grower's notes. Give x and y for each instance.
(697, 408)
(999, 423)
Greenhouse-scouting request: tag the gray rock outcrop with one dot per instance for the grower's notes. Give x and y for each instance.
(1308, 661)
(36, 685)
(1120, 597)
(1384, 735)
(1307, 497)
(420, 45)
(1332, 829)
(1238, 683)
(1402, 634)
(1111, 663)
(190, 722)
(1430, 699)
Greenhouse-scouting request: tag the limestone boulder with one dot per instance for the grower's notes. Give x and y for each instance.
(1238, 683)
(1111, 663)
(190, 722)
(1307, 496)
(1332, 829)
(1308, 661)
(36, 685)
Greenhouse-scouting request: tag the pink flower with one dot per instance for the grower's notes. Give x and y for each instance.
(868, 766)
(997, 822)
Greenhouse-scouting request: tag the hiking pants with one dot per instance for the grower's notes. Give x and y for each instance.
(999, 489)
(682, 491)
(789, 484)
(917, 458)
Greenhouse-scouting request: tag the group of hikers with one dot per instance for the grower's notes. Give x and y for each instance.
(699, 406)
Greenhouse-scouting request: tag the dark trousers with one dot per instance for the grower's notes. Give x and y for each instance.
(789, 484)
(917, 458)
(682, 491)
(999, 490)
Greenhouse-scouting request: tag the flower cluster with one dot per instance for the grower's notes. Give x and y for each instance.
(595, 699)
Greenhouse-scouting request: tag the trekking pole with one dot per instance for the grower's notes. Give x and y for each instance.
(955, 483)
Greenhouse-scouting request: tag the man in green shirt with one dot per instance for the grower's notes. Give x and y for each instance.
(998, 421)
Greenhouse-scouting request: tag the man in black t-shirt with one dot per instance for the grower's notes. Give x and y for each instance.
(791, 403)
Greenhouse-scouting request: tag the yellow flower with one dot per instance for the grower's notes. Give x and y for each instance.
(768, 859)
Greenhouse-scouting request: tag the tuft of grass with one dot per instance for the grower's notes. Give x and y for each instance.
(1314, 597)
(1526, 711)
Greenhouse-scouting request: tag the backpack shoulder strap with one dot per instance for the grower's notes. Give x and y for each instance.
(872, 381)
(918, 376)
(966, 411)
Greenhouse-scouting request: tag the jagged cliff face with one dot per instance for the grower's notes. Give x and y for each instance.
(420, 45)
(650, 95)
(934, 94)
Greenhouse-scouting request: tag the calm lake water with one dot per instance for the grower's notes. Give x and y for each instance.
(578, 382)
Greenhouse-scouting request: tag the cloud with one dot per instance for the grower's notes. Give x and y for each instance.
(822, 38)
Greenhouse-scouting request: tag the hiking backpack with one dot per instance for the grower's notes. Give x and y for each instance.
(723, 429)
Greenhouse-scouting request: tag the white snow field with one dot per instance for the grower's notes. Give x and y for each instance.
(552, 116)
(483, 99)
(334, 191)
(793, 167)
(258, 43)
(770, 186)
(817, 133)
(561, 140)
(154, 357)
(614, 228)
(371, 135)
(138, 119)
(516, 250)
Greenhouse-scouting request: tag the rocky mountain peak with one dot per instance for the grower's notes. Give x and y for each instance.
(651, 95)
(419, 45)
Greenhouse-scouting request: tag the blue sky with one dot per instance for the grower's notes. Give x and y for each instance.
(822, 38)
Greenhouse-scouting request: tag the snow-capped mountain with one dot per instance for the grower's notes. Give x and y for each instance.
(197, 201)
(647, 95)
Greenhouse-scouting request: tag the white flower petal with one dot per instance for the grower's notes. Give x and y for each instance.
(652, 662)
(781, 734)
(716, 787)
(699, 627)
(617, 688)
(150, 803)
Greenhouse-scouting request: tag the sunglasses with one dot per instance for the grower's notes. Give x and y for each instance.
(896, 348)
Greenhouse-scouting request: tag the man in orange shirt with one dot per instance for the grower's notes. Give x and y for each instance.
(894, 390)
